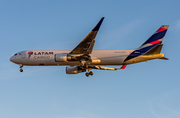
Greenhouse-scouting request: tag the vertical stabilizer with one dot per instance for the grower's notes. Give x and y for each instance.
(155, 39)
(152, 45)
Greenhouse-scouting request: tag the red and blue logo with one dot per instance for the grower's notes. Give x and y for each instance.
(30, 53)
(154, 40)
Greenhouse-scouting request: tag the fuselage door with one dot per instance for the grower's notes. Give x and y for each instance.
(22, 54)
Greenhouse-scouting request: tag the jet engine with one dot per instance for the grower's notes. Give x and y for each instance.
(64, 57)
(74, 70)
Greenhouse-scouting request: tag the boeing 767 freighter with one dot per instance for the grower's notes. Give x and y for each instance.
(83, 58)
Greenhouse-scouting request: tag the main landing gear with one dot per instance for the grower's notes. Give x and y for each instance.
(89, 73)
(86, 67)
(21, 70)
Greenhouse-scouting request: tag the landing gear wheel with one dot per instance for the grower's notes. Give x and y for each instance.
(87, 74)
(21, 70)
(91, 73)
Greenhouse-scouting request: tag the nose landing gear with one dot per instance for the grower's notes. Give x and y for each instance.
(21, 70)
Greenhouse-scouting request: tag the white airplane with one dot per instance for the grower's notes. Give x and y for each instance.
(83, 58)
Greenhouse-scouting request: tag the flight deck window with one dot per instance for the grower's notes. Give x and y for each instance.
(15, 54)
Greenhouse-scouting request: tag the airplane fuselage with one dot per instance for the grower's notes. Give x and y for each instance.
(99, 57)
(83, 58)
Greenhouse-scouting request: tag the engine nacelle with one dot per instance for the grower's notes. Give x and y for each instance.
(74, 70)
(96, 61)
(64, 57)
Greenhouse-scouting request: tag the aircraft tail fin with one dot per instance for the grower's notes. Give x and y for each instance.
(154, 40)
(152, 45)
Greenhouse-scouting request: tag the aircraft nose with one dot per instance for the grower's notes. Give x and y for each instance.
(12, 59)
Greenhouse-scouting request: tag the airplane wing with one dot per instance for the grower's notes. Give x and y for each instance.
(107, 68)
(86, 45)
(103, 68)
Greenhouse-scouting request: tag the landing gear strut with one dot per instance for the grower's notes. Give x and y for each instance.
(21, 70)
(85, 66)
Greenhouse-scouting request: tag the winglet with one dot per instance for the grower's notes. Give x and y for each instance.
(96, 28)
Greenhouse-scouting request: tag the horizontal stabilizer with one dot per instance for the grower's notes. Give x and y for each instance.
(164, 58)
(155, 50)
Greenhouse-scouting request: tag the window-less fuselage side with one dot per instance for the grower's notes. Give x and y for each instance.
(47, 57)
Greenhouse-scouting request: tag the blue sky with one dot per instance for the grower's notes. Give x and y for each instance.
(143, 90)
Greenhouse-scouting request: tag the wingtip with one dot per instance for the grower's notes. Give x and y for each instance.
(96, 28)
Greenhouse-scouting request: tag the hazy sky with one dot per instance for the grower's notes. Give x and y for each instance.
(143, 90)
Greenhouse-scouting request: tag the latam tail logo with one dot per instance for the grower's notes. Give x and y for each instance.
(30, 53)
(154, 40)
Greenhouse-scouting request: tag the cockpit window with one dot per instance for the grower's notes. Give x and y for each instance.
(15, 54)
